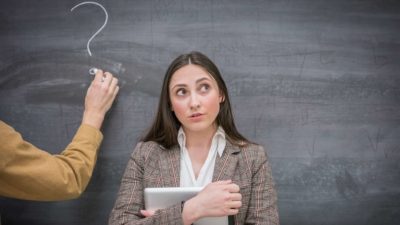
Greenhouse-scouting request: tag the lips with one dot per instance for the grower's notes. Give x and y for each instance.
(195, 115)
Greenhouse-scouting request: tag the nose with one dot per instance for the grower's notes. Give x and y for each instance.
(194, 102)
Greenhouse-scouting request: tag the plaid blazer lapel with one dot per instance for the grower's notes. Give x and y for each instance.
(170, 167)
(226, 164)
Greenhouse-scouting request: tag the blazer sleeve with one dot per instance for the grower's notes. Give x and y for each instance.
(27, 172)
(130, 199)
(263, 202)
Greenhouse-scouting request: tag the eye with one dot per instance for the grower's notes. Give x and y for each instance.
(204, 88)
(181, 92)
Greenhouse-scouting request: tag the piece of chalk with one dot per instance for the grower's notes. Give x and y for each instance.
(93, 71)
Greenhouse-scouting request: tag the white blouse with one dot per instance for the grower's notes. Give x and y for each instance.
(187, 177)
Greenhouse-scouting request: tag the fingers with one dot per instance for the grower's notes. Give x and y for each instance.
(98, 78)
(232, 188)
(233, 200)
(115, 92)
(228, 185)
(147, 213)
(232, 206)
(106, 79)
(234, 203)
(222, 198)
(222, 182)
(113, 88)
(231, 212)
(113, 85)
(235, 197)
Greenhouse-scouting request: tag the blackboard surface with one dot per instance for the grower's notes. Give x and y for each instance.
(316, 82)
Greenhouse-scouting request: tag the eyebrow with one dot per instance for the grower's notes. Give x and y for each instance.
(197, 81)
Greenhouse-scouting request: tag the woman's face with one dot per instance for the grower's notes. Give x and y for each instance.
(195, 98)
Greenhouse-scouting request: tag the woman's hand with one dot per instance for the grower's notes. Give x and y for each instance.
(147, 213)
(221, 198)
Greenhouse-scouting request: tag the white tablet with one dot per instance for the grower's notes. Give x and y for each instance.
(159, 198)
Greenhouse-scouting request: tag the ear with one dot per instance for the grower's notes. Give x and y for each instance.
(221, 98)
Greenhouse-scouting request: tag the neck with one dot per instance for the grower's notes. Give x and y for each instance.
(200, 139)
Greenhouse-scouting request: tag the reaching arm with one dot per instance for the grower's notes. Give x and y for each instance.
(27, 172)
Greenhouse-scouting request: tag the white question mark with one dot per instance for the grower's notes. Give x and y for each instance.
(93, 70)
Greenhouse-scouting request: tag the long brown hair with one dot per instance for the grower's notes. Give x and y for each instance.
(164, 129)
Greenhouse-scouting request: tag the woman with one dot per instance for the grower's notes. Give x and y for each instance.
(193, 141)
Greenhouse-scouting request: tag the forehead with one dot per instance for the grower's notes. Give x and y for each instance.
(189, 74)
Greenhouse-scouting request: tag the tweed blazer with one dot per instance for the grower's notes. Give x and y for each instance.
(151, 165)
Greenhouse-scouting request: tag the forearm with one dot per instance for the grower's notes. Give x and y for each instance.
(27, 172)
(79, 159)
(92, 118)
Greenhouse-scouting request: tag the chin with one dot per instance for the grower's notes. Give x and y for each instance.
(199, 127)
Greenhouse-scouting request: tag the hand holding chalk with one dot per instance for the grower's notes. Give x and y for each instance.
(99, 98)
(93, 72)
